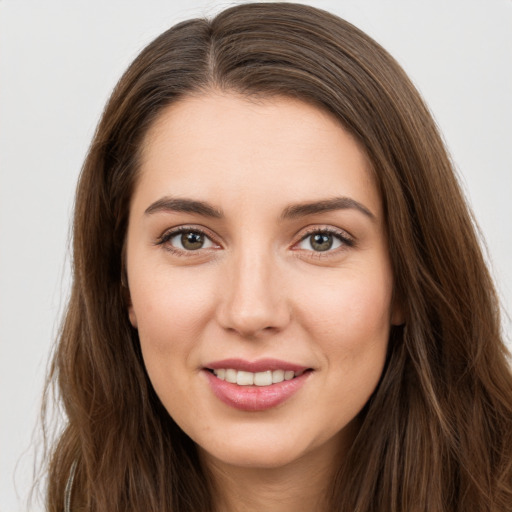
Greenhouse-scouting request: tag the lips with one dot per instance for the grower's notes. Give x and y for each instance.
(255, 386)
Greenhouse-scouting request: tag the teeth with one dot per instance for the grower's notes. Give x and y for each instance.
(266, 378)
(277, 376)
(231, 376)
(245, 378)
(263, 378)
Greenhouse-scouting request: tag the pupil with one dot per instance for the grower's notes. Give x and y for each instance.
(321, 242)
(192, 241)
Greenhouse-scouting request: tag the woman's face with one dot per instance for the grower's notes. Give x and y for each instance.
(259, 275)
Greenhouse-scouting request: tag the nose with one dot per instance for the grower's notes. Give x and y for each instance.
(253, 299)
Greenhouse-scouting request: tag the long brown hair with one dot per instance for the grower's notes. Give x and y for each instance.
(437, 433)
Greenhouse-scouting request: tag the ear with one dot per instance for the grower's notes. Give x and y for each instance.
(127, 299)
(132, 316)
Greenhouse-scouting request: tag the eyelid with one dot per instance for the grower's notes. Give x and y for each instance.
(168, 234)
(347, 240)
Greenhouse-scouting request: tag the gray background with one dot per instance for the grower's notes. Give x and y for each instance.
(58, 63)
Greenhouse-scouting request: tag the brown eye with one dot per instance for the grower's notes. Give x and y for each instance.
(192, 241)
(324, 241)
(321, 241)
(187, 240)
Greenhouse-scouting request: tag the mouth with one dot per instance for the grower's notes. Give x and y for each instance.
(263, 378)
(255, 386)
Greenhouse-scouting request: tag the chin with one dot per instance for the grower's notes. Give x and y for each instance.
(257, 447)
(251, 457)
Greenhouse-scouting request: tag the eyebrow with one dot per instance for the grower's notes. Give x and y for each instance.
(170, 204)
(327, 205)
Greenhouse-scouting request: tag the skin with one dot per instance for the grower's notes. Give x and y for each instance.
(258, 289)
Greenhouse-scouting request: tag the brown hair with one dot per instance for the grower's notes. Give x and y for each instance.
(437, 433)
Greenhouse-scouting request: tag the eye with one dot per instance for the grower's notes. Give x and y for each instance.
(323, 241)
(186, 240)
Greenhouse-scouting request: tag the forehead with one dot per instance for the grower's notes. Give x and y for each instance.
(224, 144)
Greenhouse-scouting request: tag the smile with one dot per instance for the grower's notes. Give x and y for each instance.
(265, 378)
(255, 386)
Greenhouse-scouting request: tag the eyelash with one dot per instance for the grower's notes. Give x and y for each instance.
(164, 240)
(345, 240)
(343, 237)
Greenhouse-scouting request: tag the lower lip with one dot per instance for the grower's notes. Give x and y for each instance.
(255, 398)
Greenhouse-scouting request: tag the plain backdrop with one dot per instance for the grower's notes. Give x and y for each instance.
(59, 60)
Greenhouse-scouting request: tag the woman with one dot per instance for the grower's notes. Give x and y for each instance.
(279, 300)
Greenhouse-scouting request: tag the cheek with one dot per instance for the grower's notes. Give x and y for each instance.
(350, 323)
(170, 309)
(354, 311)
(170, 318)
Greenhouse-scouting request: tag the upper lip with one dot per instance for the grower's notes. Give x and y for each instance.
(259, 365)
